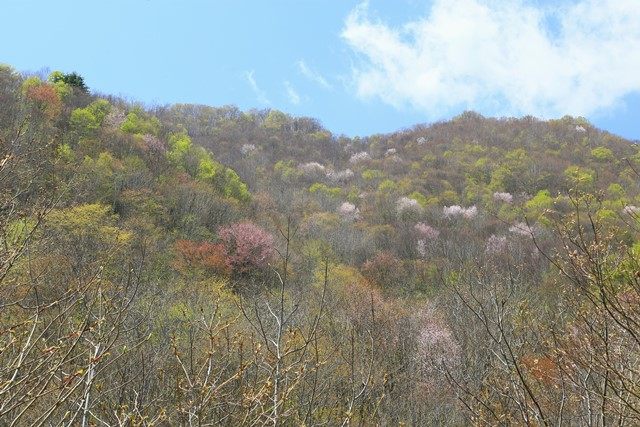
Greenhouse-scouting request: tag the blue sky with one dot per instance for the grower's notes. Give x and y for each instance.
(359, 67)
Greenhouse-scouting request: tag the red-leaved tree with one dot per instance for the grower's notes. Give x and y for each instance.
(206, 255)
(45, 98)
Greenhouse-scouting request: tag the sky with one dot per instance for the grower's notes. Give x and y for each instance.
(360, 67)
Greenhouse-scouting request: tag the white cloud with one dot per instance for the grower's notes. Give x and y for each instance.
(312, 75)
(260, 94)
(293, 96)
(501, 57)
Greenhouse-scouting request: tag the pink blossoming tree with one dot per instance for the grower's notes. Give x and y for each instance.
(246, 246)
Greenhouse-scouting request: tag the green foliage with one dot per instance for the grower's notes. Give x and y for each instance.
(99, 175)
(17, 232)
(517, 156)
(138, 122)
(616, 191)
(449, 197)
(179, 145)
(481, 171)
(286, 169)
(371, 174)
(86, 121)
(607, 215)
(83, 122)
(502, 179)
(318, 251)
(353, 195)
(29, 83)
(420, 198)
(579, 176)
(234, 187)
(207, 169)
(276, 120)
(602, 154)
(321, 188)
(387, 186)
(65, 153)
(72, 79)
(94, 221)
(472, 191)
(541, 202)
(8, 70)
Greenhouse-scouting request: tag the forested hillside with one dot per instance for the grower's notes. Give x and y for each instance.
(193, 265)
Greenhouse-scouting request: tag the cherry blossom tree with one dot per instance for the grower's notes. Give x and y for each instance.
(246, 246)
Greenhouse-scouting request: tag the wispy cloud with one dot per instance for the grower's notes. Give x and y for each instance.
(261, 96)
(313, 75)
(293, 96)
(501, 57)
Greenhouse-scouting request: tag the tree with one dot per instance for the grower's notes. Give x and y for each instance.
(72, 79)
(204, 255)
(247, 247)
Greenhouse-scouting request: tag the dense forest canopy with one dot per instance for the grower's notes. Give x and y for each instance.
(194, 265)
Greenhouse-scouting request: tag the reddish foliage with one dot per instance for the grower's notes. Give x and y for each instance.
(247, 247)
(153, 143)
(362, 301)
(542, 368)
(46, 99)
(384, 269)
(210, 256)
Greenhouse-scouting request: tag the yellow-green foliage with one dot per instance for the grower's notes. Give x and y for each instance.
(192, 301)
(138, 122)
(62, 89)
(420, 198)
(207, 168)
(405, 185)
(371, 174)
(318, 187)
(353, 195)
(85, 121)
(65, 153)
(616, 191)
(517, 156)
(30, 83)
(99, 174)
(234, 187)
(17, 232)
(541, 202)
(93, 220)
(449, 197)
(387, 186)
(579, 177)
(481, 170)
(276, 120)
(341, 276)
(602, 154)
(508, 212)
(321, 223)
(286, 169)
(501, 179)
(607, 215)
(179, 145)
(317, 252)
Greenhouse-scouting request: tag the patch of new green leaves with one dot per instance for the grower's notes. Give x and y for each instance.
(139, 122)
(321, 188)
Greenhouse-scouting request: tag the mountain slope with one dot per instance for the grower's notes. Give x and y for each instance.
(188, 264)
